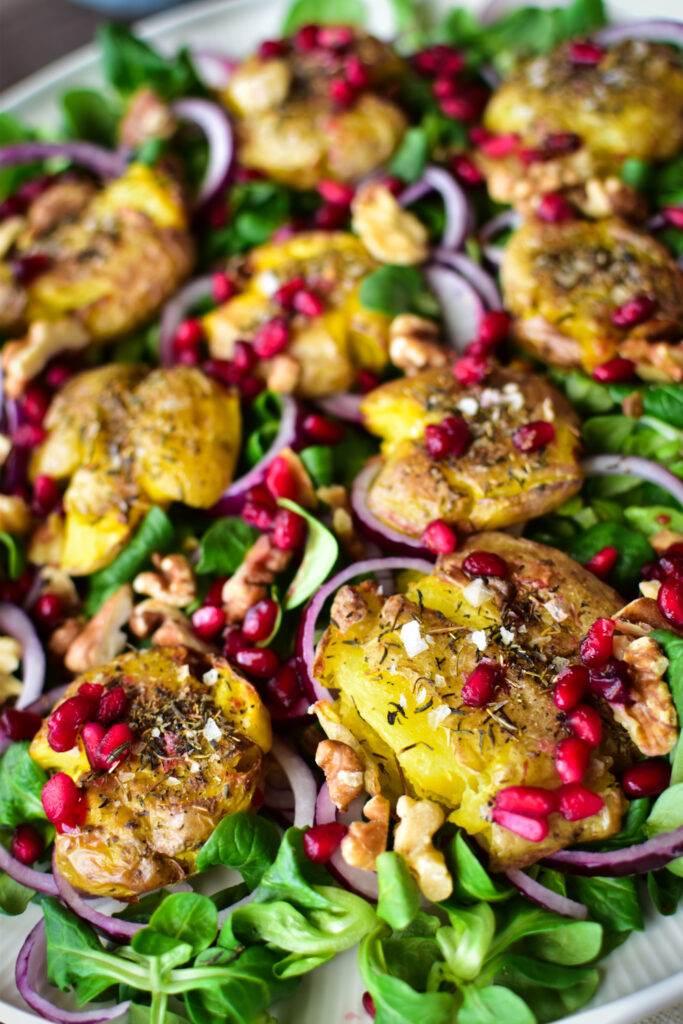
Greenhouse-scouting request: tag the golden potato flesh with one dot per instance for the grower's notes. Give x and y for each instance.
(564, 282)
(200, 736)
(125, 441)
(291, 128)
(323, 351)
(492, 484)
(400, 662)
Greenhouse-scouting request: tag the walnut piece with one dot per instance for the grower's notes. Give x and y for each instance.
(348, 608)
(419, 820)
(102, 639)
(650, 720)
(414, 344)
(283, 374)
(166, 625)
(23, 360)
(147, 117)
(174, 583)
(640, 616)
(62, 638)
(10, 230)
(389, 233)
(343, 771)
(337, 731)
(262, 562)
(664, 539)
(365, 840)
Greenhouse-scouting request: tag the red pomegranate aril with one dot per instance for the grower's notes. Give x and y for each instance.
(486, 563)
(270, 48)
(233, 641)
(603, 561)
(115, 746)
(46, 495)
(259, 622)
(585, 722)
(533, 437)
(466, 170)
(437, 441)
(13, 206)
(284, 689)
(284, 296)
(19, 725)
(533, 829)
(28, 435)
(597, 645)
(570, 686)
(260, 495)
(92, 735)
(443, 88)
(261, 517)
(250, 387)
(259, 662)
(321, 841)
(562, 143)
(494, 328)
(331, 216)
(467, 106)
(671, 563)
(280, 479)
(470, 369)
(356, 74)
(306, 39)
(47, 611)
(63, 802)
(572, 757)
(308, 303)
(439, 537)
(244, 358)
(27, 844)
(647, 778)
(335, 192)
(458, 433)
(223, 370)
(223, 286)
(533, 801)
(611, 681)
(369, 1005)
(289, 530)
(112, 705)
(27, 269)
(207, 621)
(214, 594)
(583, 51)
(324, 431)
(497, 146)
(674, 215)
(670, 601)
(481, 684)
(71, 713)
(93, 693)
(188, 335)
(554, 209)
(188, 357)
(576, 802)
(35, 404)
(57, 375)
(272, 338)
(636, 311)
(335, 37)
(366, 381)
(342, 93)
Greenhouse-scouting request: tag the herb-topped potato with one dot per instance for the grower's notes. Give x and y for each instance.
(317, 106)
(480, 456)
(123, 440)
(446, 690)
(86, 265)
(168, 743)
(586, 292)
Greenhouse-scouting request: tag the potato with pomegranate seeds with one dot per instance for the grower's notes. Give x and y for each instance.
(401, 664)
(200, 735)
(491, 483)
(586, 292)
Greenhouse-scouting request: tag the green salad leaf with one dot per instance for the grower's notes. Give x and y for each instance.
(393, 290)
(130, 63)
(399, 896)
(15, 559)
(319, 557)
(224, 545)
(11, 132)
(673, 648)
(21, 783)
(634, 551)
(492, 1005)
(322, 12)
(244, 842)
(87, 114)
(187, 917)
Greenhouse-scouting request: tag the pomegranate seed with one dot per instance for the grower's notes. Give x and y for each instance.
(112, 705)
(65, 721)
(481, 684)
(466, 170)
(244, 358)
(46, 495)
(35, 404)
(342, 93)
(19, 725)
(115, 746)
(27, 844)
(259, 622)
(306, 39)
(586, 723)
(611, 681)
(470, 369)
(321, 841)
(324, 431)
(533, 437)
(533, 829)
(284, 296)
(288, 530)
(214, 594)
(272, 48)
(330, 216)
(335, 37)
(57, 376)
(259, 516)
(486, 563)
(222, 370)
(562, 143)
(497, 146)
(570, 686)
(671, 562)
(223, 287)
(47, 611)
(444, 88)
(583, 51)
(392, 184)
(647, 778)
(308, 303)
(233, 642)
(366, 380)
(27, 269)
(260, 495)
(258, 662)
(280, 479)
(670, 601)
(92, 735)
(439, 537)
(674, 215)
(63, 802)
(596, 647)
(250, 387)
(188, 335)
(284, 689)
(92, 692)
(28, 435)
(188, 357)
(356, 74)
(554, 209)
(369, 1005)
(529, 800)
(603, 561)
(571, 759)
(271, 338)
(458, 434)
(635, 311)
(577, 802)
(494, 328)
(13, 206)
(32, 189)
(437, 441)
(652, 571)
(439, 59)
(208, 620)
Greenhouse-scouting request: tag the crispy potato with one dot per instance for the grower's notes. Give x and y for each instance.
(492, 484)
(564, 281)
(126, 441)
(404, 713)
(147, 818)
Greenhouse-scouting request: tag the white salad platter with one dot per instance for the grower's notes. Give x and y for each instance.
(646, 973)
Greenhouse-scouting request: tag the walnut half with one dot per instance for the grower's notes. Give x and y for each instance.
(102, 639)
(650, 719)
(343, 771)
(419, 820)
(365, 840)
(174, 583)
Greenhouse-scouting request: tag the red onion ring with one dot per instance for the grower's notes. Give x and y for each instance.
(474, 274)
(456, 203)
(176, 311)
(306, 636)
(364, 883)
(120, 931)
(546, 898)
(215, 124)
(382, 534)
(344, 406)
(32, 879)
(106, 163)
(501, 222)
(16, 623)
(214, 69)
(633, 465)
(660, 30)
(460, 302)
(31, 969)
(300, 779)
(651, 855)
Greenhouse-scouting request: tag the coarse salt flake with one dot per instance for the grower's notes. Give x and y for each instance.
(194, 767)
(506, 635)
(421, 696)
(438, 715)
(479, 639)
(211, 731)
(268, 283)
(468, 406)
(476, 592)
(556, 609)
(183, 672)
(210, 678)
(412, 639)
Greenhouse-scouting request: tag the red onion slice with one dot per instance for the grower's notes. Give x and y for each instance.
(120, 931)
(633, 465)
(176, 311)
(300, 779)
(32, 879)
(633, 860)
(106, 163)
(214, 69)
(215, 124)
(364, 883)
(31, 970)
(456, 203)
(376, 530)
(546, 898)
(472, 272)
(651, 31)
(306, 636)
(16, 623)
(501, 222)
(461, 305)
(344, 406)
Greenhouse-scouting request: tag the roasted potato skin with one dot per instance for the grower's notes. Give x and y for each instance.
(405, 715)
(492, 484)
(148, 818)
(562, 282)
